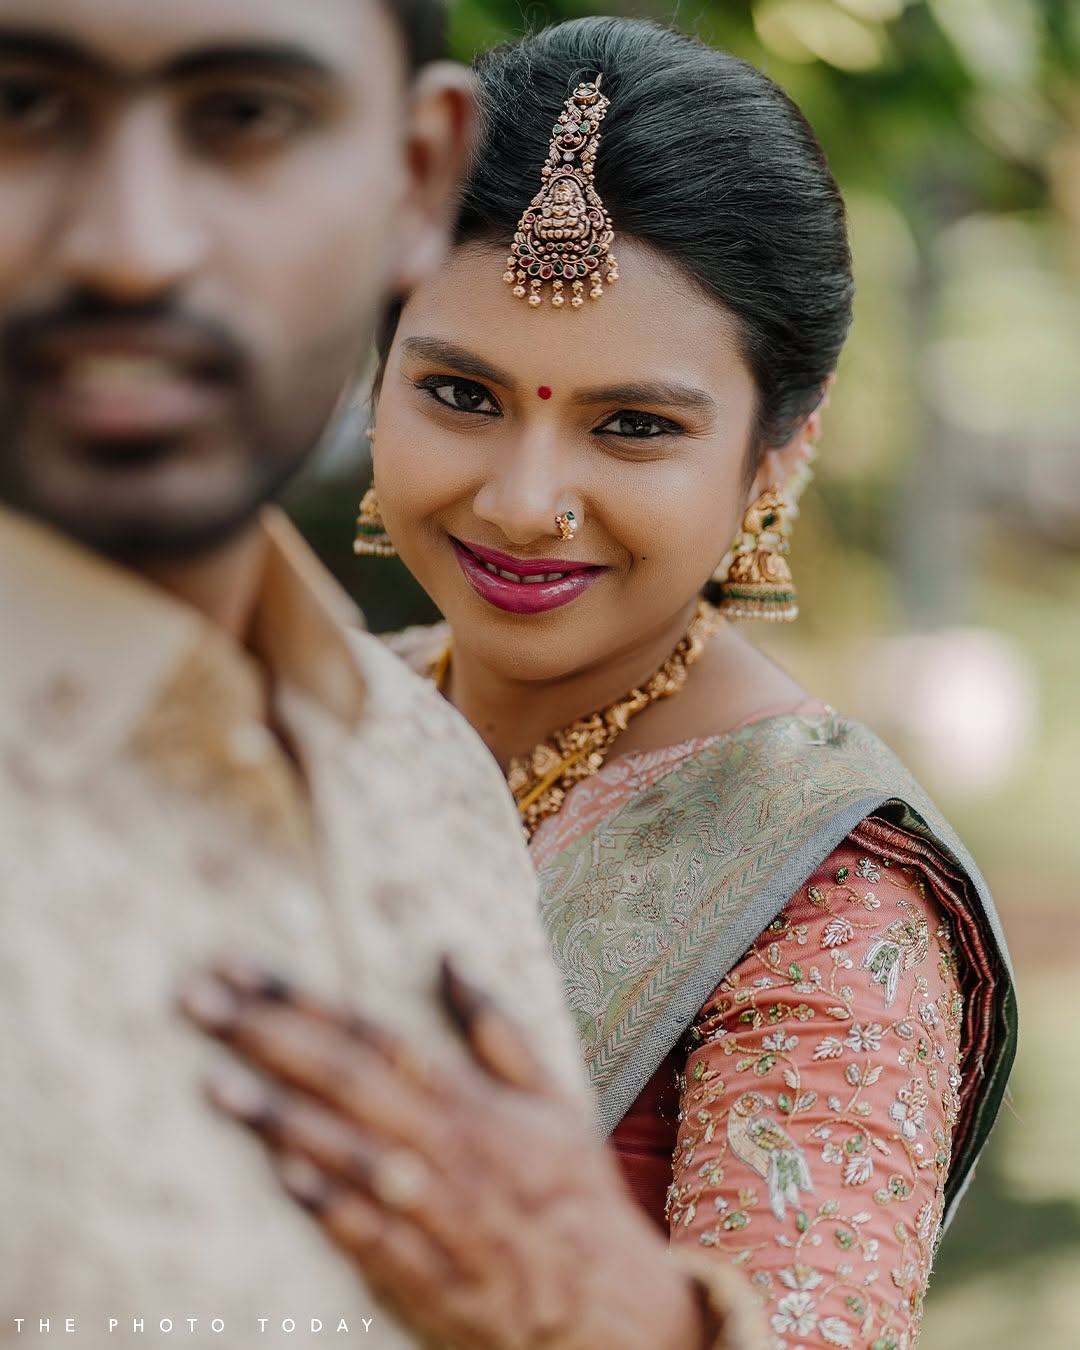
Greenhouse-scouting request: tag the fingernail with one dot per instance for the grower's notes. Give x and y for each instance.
(242, 1095)
(207, 1001)
(256, 980)
(463, 1000)
(274, 988)
(304, 1182)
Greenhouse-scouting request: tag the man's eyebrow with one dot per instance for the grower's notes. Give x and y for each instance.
(45, 47)
(443, 353)
(32, 44)
(668, 393)
(277, 58)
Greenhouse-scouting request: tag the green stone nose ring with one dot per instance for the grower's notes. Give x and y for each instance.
(567, 525)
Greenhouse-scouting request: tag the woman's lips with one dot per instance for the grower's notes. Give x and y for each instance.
(532, 596)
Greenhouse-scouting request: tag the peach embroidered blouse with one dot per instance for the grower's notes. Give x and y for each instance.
(802, 1130)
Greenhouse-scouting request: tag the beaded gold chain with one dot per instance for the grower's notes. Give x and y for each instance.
(541, 779)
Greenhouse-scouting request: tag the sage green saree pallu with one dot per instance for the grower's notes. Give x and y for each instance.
(649, 907)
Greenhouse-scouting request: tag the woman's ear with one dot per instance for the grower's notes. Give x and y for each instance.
(780, 462)
(441, 132)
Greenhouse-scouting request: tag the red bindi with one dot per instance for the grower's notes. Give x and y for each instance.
(543, 392)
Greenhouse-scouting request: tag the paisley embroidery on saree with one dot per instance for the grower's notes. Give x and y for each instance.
(651, 905)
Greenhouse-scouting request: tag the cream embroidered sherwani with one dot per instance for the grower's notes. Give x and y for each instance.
(149, 821)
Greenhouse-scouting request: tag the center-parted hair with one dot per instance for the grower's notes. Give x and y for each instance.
(703, 158)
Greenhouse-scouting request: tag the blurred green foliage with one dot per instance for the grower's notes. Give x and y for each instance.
(965, 96)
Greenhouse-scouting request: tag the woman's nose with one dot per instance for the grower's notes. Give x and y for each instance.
(525, 493)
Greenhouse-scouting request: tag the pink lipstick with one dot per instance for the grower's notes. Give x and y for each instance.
(520, 585)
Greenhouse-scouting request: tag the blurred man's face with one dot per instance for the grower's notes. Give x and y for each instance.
(201, 203)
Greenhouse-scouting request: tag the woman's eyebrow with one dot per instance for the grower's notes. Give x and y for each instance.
(669, 393)
(443, 353)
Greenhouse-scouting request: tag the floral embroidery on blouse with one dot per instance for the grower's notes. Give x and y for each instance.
(817, 1107)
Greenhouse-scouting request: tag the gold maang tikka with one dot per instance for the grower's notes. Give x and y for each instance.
(564, 235)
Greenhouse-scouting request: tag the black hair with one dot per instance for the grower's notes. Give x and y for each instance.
(423, 26)
(702, 157)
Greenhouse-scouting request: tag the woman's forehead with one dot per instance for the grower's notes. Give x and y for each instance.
(651, 322)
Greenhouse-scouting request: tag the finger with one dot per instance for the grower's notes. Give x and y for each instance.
(495, 1040)
(346, 1157)
(318, 1058)
(432, 1297)
(355, 1228)
(305, 1181)
(402, 1266)
(291, 1124)
(248, 980)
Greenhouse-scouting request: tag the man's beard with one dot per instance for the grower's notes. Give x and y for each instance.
(138, 501)
(135, 539)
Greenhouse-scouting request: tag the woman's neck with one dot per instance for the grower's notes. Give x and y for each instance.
(514, 715)
(732, 682)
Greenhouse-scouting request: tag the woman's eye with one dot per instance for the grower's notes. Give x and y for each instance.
(642, 426)
(461, 395)
(31, 105)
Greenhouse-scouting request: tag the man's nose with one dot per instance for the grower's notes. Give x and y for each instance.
(131, 231)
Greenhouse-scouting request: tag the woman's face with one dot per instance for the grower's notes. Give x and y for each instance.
(635, 412)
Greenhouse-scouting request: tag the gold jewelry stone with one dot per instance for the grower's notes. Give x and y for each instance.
(567, 525)
(541, 779)
(564, 235)
(758, 583)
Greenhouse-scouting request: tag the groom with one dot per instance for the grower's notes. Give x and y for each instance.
(201, 207)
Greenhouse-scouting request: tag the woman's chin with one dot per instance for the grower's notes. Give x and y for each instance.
(522, 652)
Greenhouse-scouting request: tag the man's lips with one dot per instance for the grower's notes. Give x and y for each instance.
(126, 382)
(523, 586)
(176, 344)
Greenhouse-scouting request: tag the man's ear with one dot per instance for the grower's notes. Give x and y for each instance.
(441, 132)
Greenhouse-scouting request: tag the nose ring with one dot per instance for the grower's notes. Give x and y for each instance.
(567, 525)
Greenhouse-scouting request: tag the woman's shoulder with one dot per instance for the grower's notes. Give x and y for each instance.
(420, 645)
(813, 772)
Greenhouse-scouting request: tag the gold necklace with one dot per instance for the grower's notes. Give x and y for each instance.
(541, 779)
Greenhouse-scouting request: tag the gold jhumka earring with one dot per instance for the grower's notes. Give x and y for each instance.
(372, 537)
(757, 582)
(754, 579)
(564, 235)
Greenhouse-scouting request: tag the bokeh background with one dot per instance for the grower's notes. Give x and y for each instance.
(938, 552)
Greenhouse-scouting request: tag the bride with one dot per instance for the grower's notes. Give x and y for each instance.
(592, 425)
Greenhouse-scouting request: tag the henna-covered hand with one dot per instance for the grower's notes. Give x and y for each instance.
(479, 1202)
